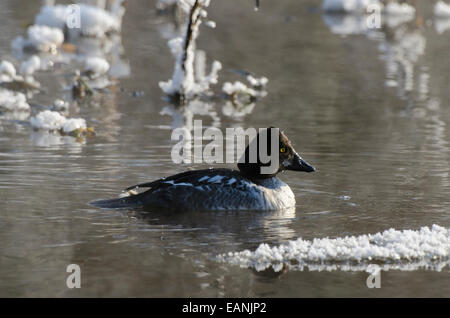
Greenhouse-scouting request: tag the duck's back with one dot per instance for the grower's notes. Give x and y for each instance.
(210, 189)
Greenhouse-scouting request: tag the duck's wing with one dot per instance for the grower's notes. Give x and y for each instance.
(144, 185)
(193, 177)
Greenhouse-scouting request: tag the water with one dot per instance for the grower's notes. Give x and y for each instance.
(369, 111)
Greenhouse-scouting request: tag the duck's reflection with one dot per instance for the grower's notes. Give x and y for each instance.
(245, 228)
(183, 115)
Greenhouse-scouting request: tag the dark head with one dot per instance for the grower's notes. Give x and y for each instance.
(288, 158)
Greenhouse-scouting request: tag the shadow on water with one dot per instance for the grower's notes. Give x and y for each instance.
(246, 228)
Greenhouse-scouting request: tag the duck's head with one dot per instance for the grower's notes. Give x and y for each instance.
(259, 161)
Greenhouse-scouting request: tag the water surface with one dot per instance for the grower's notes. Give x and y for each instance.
(370, 110)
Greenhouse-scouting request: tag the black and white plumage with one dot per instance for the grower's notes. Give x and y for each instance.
(218, 189)
(210, 189)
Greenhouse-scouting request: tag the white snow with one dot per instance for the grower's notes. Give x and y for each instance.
(53, 16)
(346, 24)
(72, 124)
(48, 120)
(240, 88)
(52, 121)
(395, 8)
(61, 105)
(184, 80)
(230, 110)
(13, 101)
(97, 66)
(94, 21)
(441, 25)
(41, 38)
(30, 66)
(257, 82)
(348, 6)
(210, 24)
(360, 6)
(406, 249)
(442, 9)
(232, 88)
(7, 71)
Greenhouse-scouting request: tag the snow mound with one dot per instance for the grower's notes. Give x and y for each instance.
(13, 101)
(7, 71)
(30, 66)
(52, 121)
(347, 6)
(96, 66)
(40, 38)
(73, 124)
(442, 9)
(395, 8)
(94, 21)
(404, 250)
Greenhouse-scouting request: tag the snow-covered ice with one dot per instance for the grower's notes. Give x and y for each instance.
(184, 80)
(40, 38)
(54, 121)
(426, 248)
(30, 66)
(347, 6)
(7, 72)
(256, 89)
(94, 21)
(13, 101)
(73, 124)
(442, 9)
(395, 8)
(237, 87)
(96, 66)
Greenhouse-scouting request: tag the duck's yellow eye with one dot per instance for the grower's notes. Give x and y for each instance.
(282, 149)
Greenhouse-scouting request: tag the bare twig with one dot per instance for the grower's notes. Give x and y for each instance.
(188, 37)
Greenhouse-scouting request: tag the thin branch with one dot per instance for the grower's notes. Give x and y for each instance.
(188, 37)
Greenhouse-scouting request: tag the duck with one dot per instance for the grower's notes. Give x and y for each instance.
(219, 189)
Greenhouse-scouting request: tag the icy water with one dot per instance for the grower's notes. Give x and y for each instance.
(370, 110)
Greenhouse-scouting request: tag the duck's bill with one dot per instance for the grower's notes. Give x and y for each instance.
(298, 164)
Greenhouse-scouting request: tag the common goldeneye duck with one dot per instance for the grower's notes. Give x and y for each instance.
(221, 189)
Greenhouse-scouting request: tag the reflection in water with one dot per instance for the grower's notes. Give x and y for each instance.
(402, 44)
(441, 16)
(237, 111)
(345, 24)
(109, 48)
(183, 116)
(246, 227)
(172, 26)
(53, 140)
(401, 53)
(77, 49)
